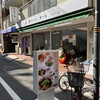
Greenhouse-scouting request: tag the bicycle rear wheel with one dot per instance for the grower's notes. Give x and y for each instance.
(63, 82)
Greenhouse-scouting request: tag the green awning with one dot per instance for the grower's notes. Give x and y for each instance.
(82, 14)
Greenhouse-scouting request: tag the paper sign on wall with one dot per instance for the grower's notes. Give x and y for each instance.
(66, 37)
(63, 38)
(45, 41)
(70, 37)
(74, 39)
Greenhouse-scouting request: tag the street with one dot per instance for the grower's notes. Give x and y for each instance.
(16, 83)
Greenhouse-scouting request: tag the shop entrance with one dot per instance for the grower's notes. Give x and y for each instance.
(25, 44)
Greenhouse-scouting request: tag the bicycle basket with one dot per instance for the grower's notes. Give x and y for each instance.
(76, 79)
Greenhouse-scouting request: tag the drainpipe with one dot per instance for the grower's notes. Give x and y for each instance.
(96, 59)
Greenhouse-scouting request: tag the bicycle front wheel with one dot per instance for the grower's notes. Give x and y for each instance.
(63, 82)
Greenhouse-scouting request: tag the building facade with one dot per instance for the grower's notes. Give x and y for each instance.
(50, 24)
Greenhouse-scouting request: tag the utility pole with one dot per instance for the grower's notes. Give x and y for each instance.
(0, 19)
(1, 24)
(96, 59)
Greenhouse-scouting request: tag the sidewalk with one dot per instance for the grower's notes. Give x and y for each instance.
(29, 61)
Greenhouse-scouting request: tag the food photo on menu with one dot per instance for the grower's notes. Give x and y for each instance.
(49, 62)
(41, 57)
(47, 71)
(45, 83)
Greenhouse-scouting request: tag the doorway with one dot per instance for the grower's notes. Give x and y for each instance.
(55, 40)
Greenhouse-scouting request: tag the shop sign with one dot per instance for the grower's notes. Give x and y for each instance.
(67, 7)
(13, 14)
(47, 71)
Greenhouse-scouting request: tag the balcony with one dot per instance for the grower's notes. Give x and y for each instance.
(14, 3)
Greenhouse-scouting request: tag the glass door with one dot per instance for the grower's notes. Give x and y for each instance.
(38, 41)
(55, 40)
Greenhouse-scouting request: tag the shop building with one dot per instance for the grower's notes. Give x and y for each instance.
(10, 39)
(51, 24)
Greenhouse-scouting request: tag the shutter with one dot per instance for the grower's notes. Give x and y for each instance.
(29, 10)
(38, 6)
(47, 4)
(42, 7)
(53, 3)
(35, 6)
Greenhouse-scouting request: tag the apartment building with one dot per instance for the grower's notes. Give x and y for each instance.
(50, 24)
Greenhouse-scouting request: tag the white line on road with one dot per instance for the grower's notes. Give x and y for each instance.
(9, 90)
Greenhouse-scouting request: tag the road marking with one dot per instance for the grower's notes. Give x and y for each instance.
(9, 90)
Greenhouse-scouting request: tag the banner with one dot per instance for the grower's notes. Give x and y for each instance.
(13, 14)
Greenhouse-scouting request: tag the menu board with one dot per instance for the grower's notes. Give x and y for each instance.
(47, 70)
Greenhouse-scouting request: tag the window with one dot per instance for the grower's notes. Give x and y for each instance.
(42, 3)
(33, 8)
(29, 10)
(38, 6)
(47, 4)
(53, 3)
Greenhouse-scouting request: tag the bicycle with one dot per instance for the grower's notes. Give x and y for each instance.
(65, 78)
(76, 81)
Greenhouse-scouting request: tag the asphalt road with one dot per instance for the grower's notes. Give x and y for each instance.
(16, 82)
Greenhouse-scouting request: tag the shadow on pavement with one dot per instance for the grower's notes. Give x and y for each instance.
(66, 95)
(22, 91)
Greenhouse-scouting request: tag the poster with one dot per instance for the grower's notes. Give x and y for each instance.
(74, 37)
(70, 37)
(66, 37)
(74, 40)
(63, 38)
(70, 40)
(47, 71)
(45, 41)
